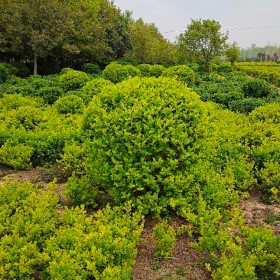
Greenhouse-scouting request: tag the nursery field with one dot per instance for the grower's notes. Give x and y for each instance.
(140, 172)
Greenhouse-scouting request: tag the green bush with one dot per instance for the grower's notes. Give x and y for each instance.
(91, 68)
(144, 69)
(47, 147)
(269, 113)
(145, 135)
(69, 104)
(6, 70)
(116, 72)
(42, 240)
(72, 80)
(50, 94)
(164, 236)
(28, 218)
(14, 101)
(15, 156)
(224, 67)
(246, 105)
(156, 70)
(93, 88)
(184, 73)
(269, 179)
(257, 88)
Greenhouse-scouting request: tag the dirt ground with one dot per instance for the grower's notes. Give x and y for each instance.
(258, 213)
(185, 263)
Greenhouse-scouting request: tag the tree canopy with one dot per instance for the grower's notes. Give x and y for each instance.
(75, 30)
(203, 40)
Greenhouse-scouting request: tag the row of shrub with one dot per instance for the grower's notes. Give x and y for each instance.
(267, 71)
(236, 91)
(34, 134)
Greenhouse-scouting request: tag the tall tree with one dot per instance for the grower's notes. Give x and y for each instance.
(203, 40)
(149, 46)
(116, 27)
(232, 53)
(32, 28)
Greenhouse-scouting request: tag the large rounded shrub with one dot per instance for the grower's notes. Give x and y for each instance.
(72, 80)
(116, 72)
(184, 73)
(257, 88)
(142, 137)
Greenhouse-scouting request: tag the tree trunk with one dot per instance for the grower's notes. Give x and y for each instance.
(35, 65)
(208, 66)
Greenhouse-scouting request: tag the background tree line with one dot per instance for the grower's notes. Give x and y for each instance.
(52, 34)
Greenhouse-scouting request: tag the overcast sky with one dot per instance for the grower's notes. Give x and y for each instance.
(175, 15)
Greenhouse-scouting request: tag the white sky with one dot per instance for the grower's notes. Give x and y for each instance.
(175, 15)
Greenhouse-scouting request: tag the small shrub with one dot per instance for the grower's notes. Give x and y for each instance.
(28, 117)
(269, 178)
(257, 88)
(39, 240)
(93, 88)
(14, 101)
(16, 156)
(224, 67)
(116, 72)
(91, 68)
(6, 70)
(50, 94)
(184, 73)
(156, 70)
(164, 236)
(269, 113)
(246, 105)
(72, 80)
(69, 104)
(144, 69)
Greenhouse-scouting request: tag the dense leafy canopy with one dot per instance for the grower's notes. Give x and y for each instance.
(203, 40)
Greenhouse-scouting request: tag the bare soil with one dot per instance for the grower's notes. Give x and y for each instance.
(185, 263)
(258, 213)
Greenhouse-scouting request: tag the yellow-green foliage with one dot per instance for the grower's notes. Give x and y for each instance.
(184, 74)
(267, 71)
(142, 138)
(36, 238)
(72, 80)
(237, 251)
(164, 237)
(31, 133)
(93, 88)
(116, 72)
(69, 104)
